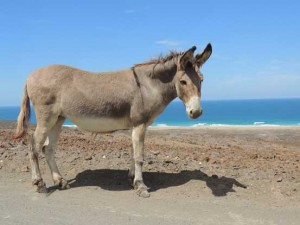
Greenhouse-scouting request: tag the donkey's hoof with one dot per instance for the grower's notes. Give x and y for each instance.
(41, 187)
(63, 185)
(141, 189)
(143, 192)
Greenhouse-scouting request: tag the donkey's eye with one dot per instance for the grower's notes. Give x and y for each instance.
(183, 82)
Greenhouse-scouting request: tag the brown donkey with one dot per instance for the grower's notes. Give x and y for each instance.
(106, 102)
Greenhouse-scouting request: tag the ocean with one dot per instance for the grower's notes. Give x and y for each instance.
(216, 113)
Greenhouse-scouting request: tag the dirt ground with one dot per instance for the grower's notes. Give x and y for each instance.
(205, 175)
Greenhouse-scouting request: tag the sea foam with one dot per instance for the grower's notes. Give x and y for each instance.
(259, 123)
(70, 126)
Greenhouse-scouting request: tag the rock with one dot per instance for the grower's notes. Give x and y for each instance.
(73, 158)
(155, 152)
(11, 144)
(254, 156)
(88, 157)
(20, 146)
(25, 169)
(214, 161)
(279, 179)
(5, 155)
(206, 159)
(214, 176)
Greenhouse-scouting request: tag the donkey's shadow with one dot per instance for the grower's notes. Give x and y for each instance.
(116, 180)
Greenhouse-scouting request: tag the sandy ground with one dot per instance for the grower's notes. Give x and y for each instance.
(206, 175)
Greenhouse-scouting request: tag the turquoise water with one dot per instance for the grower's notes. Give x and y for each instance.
(236, 112)
(225, 112)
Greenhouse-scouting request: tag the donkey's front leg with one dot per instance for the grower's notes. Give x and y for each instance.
(138, 137)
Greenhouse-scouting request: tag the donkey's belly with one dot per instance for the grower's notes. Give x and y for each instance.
(101, 125)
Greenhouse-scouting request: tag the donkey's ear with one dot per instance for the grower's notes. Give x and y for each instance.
(188, 56)
(203, 56)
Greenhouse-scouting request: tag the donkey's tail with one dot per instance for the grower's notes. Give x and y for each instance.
(24, 115)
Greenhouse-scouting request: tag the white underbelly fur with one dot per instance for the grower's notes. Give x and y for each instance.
(101, 125)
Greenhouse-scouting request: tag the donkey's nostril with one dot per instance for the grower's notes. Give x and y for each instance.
(195, 113)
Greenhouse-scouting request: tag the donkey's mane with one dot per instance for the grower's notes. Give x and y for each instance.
(161, 59)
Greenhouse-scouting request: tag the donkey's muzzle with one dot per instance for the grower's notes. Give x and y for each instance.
(195, 113)
(193, 108)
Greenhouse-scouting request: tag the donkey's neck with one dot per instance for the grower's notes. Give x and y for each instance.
(163, 75)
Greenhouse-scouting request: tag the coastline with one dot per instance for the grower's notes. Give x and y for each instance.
(225, 126)
(212, 127)
(12, 123)
(220, 127)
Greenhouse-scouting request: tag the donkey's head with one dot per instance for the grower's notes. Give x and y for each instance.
(189, 79)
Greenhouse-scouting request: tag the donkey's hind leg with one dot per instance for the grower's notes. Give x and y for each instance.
(45, 122)
(35, 169)
(49, 151)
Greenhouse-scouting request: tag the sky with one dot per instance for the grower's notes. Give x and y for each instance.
(256, 45)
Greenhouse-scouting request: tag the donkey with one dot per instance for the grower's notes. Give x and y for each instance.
(106, 102)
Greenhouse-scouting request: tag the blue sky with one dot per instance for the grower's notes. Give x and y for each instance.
(256, 47)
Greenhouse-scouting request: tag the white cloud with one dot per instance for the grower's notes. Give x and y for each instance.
(167, 42)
